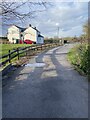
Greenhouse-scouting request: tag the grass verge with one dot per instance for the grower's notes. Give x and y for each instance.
(4, 48)
(79, 56)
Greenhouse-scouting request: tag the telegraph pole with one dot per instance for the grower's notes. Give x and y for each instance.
(57, 25)
(58, 32)
(58, 28)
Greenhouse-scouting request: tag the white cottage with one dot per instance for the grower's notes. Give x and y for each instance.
(30, 34)
(17, 34)
(13, 34)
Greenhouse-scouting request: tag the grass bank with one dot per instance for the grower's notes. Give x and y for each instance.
(79, 56)
(4, 48)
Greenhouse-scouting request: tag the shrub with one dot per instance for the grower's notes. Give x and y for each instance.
(80, 57)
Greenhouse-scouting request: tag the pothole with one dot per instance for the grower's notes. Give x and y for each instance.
(35, 65)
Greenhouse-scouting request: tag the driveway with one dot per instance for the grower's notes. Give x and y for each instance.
(54, 90)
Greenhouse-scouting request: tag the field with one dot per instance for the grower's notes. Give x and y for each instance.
(4, 48)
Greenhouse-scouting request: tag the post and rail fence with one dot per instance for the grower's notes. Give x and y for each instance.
(16, 53)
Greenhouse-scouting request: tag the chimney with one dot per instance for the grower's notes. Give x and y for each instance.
(35, 28)
(29, 25)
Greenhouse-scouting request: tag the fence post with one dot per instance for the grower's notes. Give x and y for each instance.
(37, 48)
(41, 46)
(44, 46)
(9, 56)
(30, 50)
(34, 48)
(18, 53)
(26, 51)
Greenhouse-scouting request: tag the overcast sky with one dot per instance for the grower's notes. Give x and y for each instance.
(68, 16)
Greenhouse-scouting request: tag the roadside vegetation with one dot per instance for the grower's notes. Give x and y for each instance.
(79, 57)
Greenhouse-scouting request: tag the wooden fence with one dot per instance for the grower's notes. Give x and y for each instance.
(16, 53)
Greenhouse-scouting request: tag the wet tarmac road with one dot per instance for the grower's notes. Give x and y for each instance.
(55, 90)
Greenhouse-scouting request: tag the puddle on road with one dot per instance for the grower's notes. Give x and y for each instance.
(35, 65)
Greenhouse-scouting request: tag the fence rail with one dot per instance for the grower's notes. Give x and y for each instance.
(16, 53)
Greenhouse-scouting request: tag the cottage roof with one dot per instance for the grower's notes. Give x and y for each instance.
(36, 29)
(3, 37)
(40, 36)
(22, 29)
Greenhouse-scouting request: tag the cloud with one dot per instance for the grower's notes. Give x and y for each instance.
(70, 17)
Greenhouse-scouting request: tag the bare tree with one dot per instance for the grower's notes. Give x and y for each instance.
(20, 11)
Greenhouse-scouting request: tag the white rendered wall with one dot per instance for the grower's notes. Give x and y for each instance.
(30, 34)
(13, 34)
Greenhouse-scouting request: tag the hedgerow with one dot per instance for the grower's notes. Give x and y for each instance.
(79, 56)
